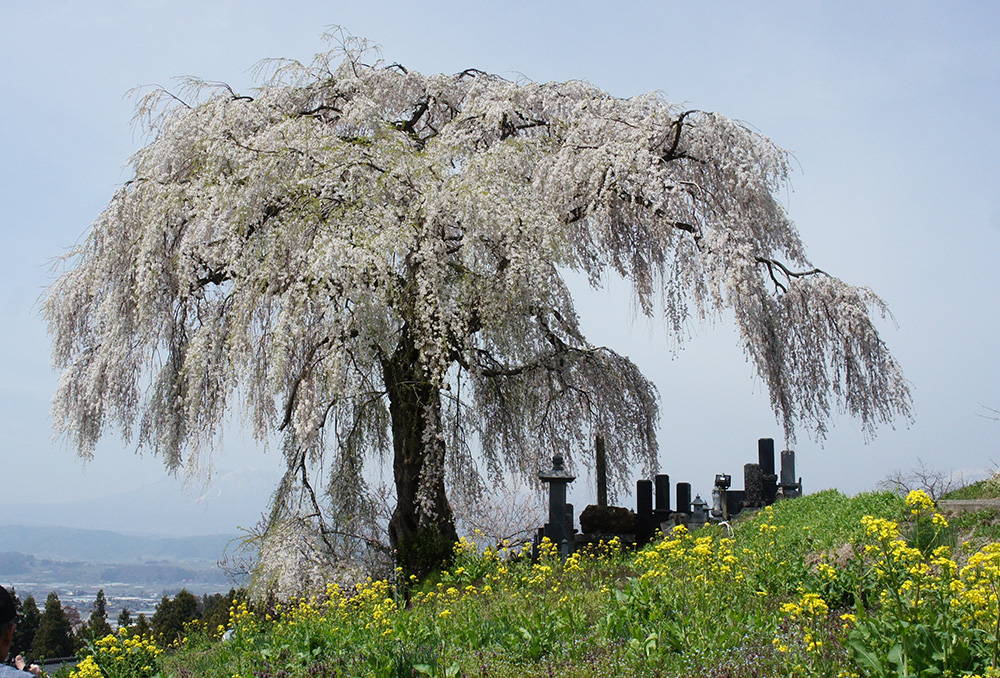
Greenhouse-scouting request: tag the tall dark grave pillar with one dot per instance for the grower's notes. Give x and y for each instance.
(684, 498)
(790, 487)
(601, 469)
(788, 467)
(662, 492)
(646, 522)
(769, 481)
(559, 528)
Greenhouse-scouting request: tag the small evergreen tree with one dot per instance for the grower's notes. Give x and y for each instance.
(97, 623)
(27, 624)
(216, 610)
(142, 627)
(124, 619)
(171, 616)
(54, 637)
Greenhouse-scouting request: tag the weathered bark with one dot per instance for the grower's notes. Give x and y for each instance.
(422, 520)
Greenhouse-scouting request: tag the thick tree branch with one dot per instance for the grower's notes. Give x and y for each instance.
(773, 264)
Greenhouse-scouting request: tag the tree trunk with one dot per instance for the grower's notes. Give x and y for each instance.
(422, 529)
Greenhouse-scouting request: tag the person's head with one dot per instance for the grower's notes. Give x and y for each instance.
(8, 620)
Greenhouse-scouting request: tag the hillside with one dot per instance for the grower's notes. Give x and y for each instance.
(105, 546)
(987, 488)
(824, 585)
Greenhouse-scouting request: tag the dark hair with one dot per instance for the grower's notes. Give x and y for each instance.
(8, 609)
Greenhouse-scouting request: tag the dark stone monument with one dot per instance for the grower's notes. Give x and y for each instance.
(788, 467)
(646, 522)
(753, 486)
(769, 481)
(662, 487)
(684, 498)
(661, 508)
(601, 470)
(734, 502)
(789, 487)
(607, 520)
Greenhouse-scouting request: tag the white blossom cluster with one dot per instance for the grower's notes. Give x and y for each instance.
(293, 562)
(284, 249)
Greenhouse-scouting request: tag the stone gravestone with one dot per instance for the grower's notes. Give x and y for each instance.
(684, 498)
(769, 481)
(789, 486)
(753, 486)
(601, 470)
(646, 522)
(606, 522)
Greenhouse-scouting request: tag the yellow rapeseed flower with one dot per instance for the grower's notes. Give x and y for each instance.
(918, 501)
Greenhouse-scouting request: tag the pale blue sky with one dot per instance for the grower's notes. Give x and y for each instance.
(890, 109)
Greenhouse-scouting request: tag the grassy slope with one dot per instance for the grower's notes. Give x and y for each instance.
(672, 614)
(987, 488)
(771, 599)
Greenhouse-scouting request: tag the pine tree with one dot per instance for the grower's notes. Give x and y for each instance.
(215, 610)
(54, 637)
(97, 624)
(142, 627)
(27, 626)
(124, 619)
(171, 616)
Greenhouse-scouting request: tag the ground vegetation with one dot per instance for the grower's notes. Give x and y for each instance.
(825, 585)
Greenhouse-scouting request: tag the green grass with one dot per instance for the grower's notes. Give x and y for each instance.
(816, 586)
(987, 488)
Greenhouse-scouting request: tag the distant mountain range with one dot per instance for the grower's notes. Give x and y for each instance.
(104, 546)
(232, 500)
(136, 545)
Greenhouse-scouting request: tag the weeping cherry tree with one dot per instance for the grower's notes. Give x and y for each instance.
(370, 261)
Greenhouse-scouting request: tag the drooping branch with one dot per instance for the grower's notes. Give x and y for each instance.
(772, 264)
(307, 367)
(676, 126)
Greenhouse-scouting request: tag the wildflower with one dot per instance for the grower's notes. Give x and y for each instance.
(880, 528)
(918, 501)
(88, 668)
(828, 571)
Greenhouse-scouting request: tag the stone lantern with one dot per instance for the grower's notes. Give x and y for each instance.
(560, 525)
(699, 512)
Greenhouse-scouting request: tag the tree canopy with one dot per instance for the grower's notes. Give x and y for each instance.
(370, 260)
(97, 623)
(27, 625)
(172, 614)
(54, 636)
